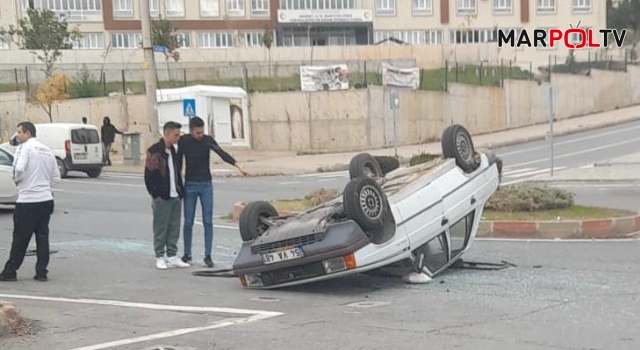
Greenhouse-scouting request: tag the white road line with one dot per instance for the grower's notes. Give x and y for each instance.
(289, 182)
(546, 159)
(570, 141)
(256, 315)
(510, 172)
(536, 172)
(336, 173)
(558, 240)
(326, 180)
(198, 222)
(102, 183)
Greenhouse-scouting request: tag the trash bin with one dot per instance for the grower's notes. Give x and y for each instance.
(131, 148)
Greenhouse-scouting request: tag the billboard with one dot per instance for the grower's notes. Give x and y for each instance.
(402, 78)
(324, 78)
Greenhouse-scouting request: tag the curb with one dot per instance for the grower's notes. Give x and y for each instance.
(569, 229)
(9, 317)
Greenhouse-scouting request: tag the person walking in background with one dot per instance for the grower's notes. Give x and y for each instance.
(164, 183)
(84, 120)
(35, 172)
(195, 148)
(108, 132)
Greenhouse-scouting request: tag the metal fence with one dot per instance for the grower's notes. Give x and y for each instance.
(583, 65)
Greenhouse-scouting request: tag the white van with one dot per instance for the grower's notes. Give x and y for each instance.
(77, 147)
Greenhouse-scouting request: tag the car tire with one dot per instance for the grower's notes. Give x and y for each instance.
(62, 168)
(365, 203)
(94, 173)
(387, 163)
(364, 164)
(250, 225)
(457, 144)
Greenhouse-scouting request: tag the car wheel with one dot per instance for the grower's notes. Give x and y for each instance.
(61, 168)
(457, 143)
(94, 173)
(365, 203)
(251, 222)
(364, 164)
(387, 163)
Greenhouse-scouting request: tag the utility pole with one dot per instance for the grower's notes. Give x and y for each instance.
(150, 81)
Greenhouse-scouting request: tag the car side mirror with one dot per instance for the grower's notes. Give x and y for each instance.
(13, 141)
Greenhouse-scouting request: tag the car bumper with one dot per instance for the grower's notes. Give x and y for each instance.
(70, 165)
(332, 255)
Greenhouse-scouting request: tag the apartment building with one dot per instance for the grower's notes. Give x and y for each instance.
(220, 24)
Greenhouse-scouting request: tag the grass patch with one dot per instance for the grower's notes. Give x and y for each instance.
(309, 201)
(529, 198)
(574, 212)
(435, 79)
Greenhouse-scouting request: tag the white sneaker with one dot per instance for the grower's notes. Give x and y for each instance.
(416, 278)
(161, 264)
(174, 261)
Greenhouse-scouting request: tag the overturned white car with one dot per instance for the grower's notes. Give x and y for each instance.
(427, 214)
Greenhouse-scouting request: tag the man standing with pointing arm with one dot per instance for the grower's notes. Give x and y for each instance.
(35, 172)
(196, 149)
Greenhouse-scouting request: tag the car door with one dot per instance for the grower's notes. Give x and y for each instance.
(8, 191)
(85, 146)
(422, 214)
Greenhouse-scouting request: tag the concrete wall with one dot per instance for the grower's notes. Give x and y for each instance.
(362, 119)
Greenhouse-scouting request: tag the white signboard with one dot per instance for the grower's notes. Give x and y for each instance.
(324, 16)
(325, 78)
(403, 78)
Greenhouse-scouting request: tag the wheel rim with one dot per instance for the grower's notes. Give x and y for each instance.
(463, 145)
(370, 202)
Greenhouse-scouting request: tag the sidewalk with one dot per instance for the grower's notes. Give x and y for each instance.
(260, 163)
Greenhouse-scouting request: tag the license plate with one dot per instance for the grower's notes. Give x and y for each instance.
(283, 255)
(81, 156)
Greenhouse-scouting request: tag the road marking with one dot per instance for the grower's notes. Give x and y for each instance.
(336, 173)
(558, 240)
(570, 141)
(289, 182)
(102, 183)
(510, 172)
(256, 315)
(536, 172)
(198, 222)
(546, 159)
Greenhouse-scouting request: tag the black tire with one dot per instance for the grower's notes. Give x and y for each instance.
(94, 172)
(387, 164)
(62, 168)
(365, 203)
(457, 143)
(364, 164)
(250, 225)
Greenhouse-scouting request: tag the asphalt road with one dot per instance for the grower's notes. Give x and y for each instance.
(105, 293)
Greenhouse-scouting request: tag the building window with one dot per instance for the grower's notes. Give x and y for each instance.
(76, 10)
(466, 7)
(581, 5)
(260, 7)
(253, 39)
(317, 4)
(89, 41)
(412, 37)
(546, 6)
(209, 8)
(215, 40)
(126, 40)
(548, 35)
(422, 7)
(174, 8)
(477, 35)
(122, 8)
(385, 7)
(235, 7)
(576, 38)
(154, 8)
(502, 6)
(184, 40)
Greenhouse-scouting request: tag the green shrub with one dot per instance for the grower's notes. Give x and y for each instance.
(529, 198)
(84, 85)
(422, 158)
(320, 196)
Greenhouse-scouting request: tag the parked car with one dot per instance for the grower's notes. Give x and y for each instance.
(77, 147)
(426, 214)
(8, 190)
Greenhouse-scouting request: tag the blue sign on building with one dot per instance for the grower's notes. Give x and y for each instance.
(189, 107)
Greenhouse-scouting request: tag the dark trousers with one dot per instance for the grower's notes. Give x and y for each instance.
(30, 218)
(106, 151)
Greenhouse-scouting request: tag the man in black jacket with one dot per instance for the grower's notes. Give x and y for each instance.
(164, 184)
(108, 132)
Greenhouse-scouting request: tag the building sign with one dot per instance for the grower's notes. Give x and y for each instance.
(324, 78)
(403, 78)
(324, 16)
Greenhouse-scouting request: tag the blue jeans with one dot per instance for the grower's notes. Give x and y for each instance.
(203, 190)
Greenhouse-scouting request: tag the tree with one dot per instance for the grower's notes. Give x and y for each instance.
(625, 16)
(51, 90)
(163, 34)
(44, 34)
(267, 41)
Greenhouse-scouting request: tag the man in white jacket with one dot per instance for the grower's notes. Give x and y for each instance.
(35, 172)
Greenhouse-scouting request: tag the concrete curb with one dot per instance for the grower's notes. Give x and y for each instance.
(9, 317)
(566, 229)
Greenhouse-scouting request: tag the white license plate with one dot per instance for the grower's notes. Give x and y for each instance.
(81, 156)
(283, 255)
